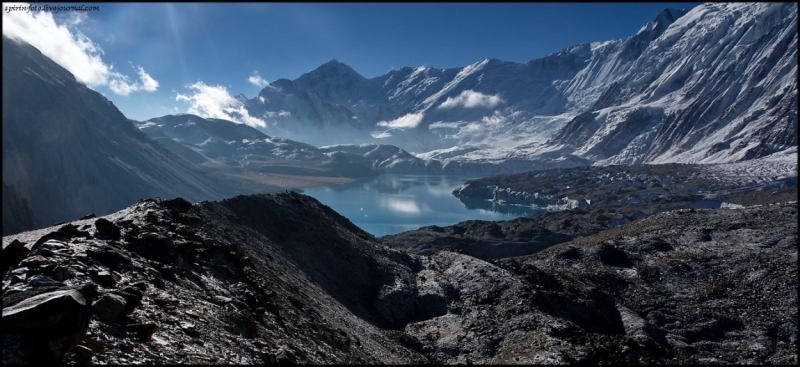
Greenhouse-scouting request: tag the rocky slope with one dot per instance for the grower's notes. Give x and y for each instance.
(247, 280)
(587, 200)
(283, 278)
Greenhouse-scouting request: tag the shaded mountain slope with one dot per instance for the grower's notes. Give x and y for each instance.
(17, 212)
(70, 152)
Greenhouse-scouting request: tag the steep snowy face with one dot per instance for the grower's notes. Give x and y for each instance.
(717, 83)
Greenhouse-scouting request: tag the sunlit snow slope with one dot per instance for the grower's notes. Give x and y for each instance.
(717, 83)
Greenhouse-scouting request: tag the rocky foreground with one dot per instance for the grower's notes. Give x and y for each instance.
(285, 279)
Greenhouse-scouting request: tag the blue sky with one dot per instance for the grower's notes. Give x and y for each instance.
(158, 59)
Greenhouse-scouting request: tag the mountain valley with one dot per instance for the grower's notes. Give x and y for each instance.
(664, 167)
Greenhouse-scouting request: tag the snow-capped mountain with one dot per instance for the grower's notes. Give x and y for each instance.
(717, 83)
(217, 143)
(221, 142)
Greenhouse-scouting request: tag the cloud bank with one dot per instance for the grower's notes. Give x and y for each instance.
(215, 102)
(470, 99)
(407, 121)
(72, 50)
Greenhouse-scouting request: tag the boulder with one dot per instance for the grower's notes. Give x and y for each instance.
(58, 236)
(108, 307)
(133, 298)
(110, 256)
(107, 229)
(51, 323)
(145, 331)
(155, 247)
(180, 204)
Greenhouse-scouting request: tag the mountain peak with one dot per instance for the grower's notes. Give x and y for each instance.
(333, 81)
(668, 15)
(665, 18)
(334, 62)
(333, 68)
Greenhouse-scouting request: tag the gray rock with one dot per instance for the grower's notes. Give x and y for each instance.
(145, 331)
(60, 273)
(133, 298)
(54, 322)
(180, 204)
(107, 229)
(59, 236)
(110, 256)
(33, 261)
(106, 279)
(108, 307)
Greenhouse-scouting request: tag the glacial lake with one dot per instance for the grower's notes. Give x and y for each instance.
(392, 203)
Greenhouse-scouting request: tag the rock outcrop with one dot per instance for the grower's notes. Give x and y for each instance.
(584, 201)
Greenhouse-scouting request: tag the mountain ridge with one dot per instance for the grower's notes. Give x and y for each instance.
(716, 79)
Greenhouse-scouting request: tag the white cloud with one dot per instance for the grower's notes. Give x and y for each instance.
(381, 134)
(148, 83)
(71, 49)
(257, 80)
(407, 121)
(470, 98)
(215, 102)
(496, 119)
(445, 125)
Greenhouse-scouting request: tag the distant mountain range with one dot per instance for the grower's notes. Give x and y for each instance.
(717, 83)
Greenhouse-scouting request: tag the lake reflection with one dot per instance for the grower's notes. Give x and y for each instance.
(392, 204)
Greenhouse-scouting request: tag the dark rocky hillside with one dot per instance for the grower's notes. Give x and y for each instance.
(284, 279)
(588, 200)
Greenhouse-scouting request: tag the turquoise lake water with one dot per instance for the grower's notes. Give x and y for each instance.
(392, 204)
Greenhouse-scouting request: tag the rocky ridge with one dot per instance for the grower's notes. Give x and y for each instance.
(283, 278)
(583, 201)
